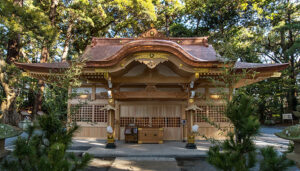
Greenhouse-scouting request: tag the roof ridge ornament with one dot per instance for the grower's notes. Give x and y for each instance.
(153, 33)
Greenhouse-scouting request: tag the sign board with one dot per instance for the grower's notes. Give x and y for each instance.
(287, 116)
(183, 121)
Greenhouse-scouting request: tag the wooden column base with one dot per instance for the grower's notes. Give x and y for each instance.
(191, 146)
(110, 145)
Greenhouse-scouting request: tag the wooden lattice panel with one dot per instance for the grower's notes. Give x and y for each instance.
(100, 115)
(200, 114)
(83, 113)
(142, 121)
(158, 122)
(216, 113)
(125, 121)
(173, 122)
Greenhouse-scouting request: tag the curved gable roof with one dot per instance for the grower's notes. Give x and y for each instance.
(108, 52)
(194, 51)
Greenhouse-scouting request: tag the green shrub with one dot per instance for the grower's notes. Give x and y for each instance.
(238, 151)
(45, 148)
(272, 161)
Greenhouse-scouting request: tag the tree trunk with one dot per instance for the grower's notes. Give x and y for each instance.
(292, 100)
(38, 95)
(8, 106)
(13, 49)
(45, 55)
(167, 20)
(9, 113)
(67, 42)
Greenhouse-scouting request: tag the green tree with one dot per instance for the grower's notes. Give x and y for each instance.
(281, 42)
(45, 146)
(10, 52)
(238, 151)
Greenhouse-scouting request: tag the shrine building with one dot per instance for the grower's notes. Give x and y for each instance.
(153, 81)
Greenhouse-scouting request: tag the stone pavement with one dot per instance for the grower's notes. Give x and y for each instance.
(171, 154)
(167, 149)
(144, 164)
(267, 137)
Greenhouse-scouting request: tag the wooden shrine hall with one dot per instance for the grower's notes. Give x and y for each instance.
(152, 81)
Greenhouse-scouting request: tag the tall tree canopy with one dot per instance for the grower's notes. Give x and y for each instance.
(56, 30)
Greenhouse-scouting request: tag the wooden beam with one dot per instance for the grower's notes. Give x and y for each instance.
(151, 77)
(151, 95)
(93, 97)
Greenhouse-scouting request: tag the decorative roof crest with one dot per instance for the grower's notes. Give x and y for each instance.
(152, 33)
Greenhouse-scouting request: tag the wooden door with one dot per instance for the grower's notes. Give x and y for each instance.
(158, 115)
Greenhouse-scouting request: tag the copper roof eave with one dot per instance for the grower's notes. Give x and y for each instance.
(267, 68)
(43, 67)
(149, 46)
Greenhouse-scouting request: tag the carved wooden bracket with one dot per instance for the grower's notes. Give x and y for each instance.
(151, 59)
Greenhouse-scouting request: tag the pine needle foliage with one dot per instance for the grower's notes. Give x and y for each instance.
(272, 161)
(238, 151)
(45, 148)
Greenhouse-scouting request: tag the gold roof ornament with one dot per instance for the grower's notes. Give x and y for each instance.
(153, 33)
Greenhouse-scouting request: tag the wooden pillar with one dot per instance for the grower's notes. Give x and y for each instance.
(111, 120)
(189, 123)
(192, 120)
(230, 93)
(93, 96)
(207, 97)
(184, 127)
(93, 113)
(117, 120)
(69, 119)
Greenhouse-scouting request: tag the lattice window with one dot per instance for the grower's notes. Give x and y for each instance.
(83, 113)
(216, 113)
(158, 122)
(100, 115)
(124, 121)
(142, 121)
(173, 122)
(200, 114)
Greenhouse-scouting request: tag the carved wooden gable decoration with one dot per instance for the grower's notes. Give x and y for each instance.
(151, 60)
